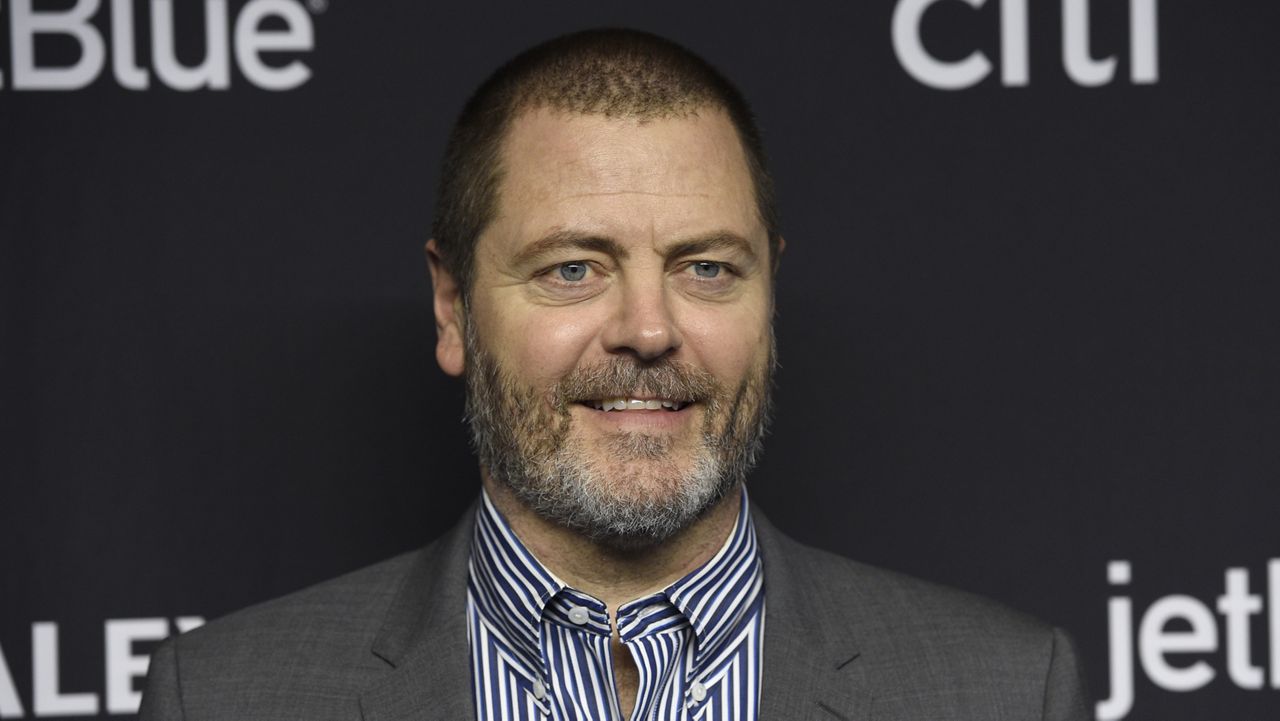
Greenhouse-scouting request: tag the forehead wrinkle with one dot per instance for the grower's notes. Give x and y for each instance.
(653, 194)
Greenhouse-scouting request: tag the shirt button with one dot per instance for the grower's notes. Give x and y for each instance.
(578, 615)
(539, 689)
(699, 692)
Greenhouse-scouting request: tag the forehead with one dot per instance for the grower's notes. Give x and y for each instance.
(623, 176)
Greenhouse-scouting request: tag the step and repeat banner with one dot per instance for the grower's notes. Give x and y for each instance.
(1029, 313)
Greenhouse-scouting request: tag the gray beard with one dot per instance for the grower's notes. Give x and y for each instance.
(522, 437)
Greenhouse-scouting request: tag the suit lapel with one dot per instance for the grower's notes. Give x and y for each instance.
(424, 639)
(812, 666)
(433, 684)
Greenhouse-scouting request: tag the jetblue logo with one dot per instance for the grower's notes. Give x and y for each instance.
(261, 28)
(1176, 633)
(1077, 57)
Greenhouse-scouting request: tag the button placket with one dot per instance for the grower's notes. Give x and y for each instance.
(696, 693)
(541, 700)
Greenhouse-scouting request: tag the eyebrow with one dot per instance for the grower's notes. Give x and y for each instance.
(562, 239)
(717, 240)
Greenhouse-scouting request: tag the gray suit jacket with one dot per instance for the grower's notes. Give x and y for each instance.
(842, 641)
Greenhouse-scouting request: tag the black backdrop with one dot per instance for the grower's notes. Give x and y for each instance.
(1028, 331)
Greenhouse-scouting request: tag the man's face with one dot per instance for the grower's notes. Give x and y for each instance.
(619, 343)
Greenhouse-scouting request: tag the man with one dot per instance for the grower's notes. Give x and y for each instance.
(603, 266)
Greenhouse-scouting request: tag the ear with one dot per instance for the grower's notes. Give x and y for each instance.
(777, 253)
(447, 301)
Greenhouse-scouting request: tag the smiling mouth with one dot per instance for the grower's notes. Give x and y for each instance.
(635, 404)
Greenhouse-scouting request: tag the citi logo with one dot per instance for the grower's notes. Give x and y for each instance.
(1077, 57)
(262, 27)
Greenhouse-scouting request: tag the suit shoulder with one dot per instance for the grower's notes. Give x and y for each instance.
(905, 609)
(929, 650)
(308, 655)
(333, 620)
(298, 657)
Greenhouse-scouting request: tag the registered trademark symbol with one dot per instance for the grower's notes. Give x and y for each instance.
(318, 6)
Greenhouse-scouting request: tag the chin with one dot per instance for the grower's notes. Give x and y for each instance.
(628, 504)
(648, 475)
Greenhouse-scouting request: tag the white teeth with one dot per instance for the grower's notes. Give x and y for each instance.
(635, 404)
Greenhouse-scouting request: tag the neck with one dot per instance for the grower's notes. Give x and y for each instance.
(612, 575)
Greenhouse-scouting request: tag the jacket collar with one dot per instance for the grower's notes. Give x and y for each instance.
(812, 664)
(813, 667)
(424, 638)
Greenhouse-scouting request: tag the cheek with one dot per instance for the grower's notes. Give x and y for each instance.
(547, 345)
(728, 345)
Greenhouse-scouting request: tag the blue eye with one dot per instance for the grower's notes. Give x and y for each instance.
(573, 271)
(706, 269)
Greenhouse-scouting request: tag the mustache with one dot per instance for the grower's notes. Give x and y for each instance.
(630, 378)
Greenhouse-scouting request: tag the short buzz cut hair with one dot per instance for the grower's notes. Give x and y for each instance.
(610, 72)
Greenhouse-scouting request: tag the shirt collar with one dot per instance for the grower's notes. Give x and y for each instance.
(513, 590)
(508, 585)
(716, 596)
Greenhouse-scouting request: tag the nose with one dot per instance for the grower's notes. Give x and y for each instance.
(642, 324)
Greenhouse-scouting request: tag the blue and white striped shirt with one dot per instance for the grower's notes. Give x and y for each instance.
(541, 650)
